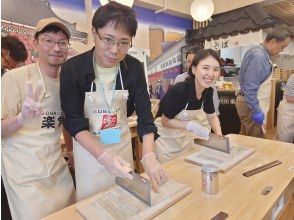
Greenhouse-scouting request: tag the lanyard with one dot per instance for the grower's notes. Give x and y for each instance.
(102, 87)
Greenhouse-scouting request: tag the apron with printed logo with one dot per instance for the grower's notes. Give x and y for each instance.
(91, 176)
(36, 177)
(285, 121)
(175, 142)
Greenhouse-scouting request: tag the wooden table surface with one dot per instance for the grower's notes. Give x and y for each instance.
(239, 196)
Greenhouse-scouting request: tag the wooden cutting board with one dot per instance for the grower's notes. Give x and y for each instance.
(117, 203)
(223, 160)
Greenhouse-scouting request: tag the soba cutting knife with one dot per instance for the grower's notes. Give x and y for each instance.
(216, 142)
(138, 186)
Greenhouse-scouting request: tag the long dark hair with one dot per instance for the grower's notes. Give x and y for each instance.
(201, 55)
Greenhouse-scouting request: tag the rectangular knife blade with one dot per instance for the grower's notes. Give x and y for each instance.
(216, 142)
(138, 186)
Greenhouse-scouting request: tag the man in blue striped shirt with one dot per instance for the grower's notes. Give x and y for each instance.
(255, 81)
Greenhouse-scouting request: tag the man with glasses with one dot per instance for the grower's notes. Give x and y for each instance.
(36, 177)
(13, 53)
(99, 90)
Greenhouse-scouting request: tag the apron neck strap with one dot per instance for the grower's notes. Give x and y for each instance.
(101, 85)
(121, 81)
(42, 78)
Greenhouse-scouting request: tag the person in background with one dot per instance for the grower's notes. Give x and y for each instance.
(99, 90)
(189, 58)
(13, 53)
(177, 115)
(201, 115)
(150, 88)
(35, 175)
(159, 91)
(285, 120)
(253, 99)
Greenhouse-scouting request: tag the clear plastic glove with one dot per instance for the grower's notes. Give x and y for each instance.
(115, 165)
(198, 129)
(154, 170)
(258, 118)
(31, 107)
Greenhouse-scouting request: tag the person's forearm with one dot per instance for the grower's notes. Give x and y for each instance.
(250, 88)
(252, 101)
(289, 98)
(9, 126)
(148, 144)
(214, 123)
(173, 123)
(90, 143)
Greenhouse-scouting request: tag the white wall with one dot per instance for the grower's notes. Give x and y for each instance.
(232, 53)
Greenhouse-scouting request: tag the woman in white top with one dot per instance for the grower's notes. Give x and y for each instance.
(285, 121)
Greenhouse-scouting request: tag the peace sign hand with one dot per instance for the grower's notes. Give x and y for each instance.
(31, 107)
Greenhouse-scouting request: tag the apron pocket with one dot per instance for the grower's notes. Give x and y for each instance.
(31, 164)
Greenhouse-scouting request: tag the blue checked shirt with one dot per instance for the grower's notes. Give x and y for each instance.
(255, 69)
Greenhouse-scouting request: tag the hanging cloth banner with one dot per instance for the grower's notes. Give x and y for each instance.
(235, 41)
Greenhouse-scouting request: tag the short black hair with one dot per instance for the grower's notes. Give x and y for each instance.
(51, 29)
(17, 49)
(193, 50)
(120, 15)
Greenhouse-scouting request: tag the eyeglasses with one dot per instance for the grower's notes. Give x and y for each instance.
(51, 43)
(122, 45)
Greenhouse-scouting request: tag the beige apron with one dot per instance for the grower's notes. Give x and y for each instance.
(175, 142)
(264, 93)
(285, 121)
(91, 176)
(36, 178)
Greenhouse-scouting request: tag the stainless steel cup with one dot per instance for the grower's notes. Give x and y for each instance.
(209, 178)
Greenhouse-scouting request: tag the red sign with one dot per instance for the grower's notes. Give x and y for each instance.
(108, 121)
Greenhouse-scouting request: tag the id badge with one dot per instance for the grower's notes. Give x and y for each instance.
(110, 136)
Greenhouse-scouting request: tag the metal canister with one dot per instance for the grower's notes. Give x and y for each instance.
(209, 178)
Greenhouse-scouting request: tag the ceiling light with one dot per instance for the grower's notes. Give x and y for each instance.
(201, 10)
(124, 2)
